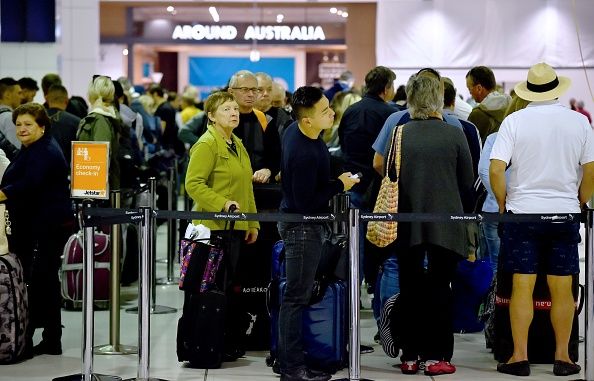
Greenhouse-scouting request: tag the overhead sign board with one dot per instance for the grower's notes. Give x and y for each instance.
(90, 170)
(200, 32)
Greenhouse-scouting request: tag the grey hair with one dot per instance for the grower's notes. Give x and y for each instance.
(241, 74)
(424, 96)
(263, 75)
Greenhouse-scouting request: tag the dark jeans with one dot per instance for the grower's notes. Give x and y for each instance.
(303, 249)
(426, 302)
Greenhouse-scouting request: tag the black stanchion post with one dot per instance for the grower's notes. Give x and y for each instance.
(171, 230)
(354, 297)
(589, 302)
(88, 322)
(144, 318)
(114, 347)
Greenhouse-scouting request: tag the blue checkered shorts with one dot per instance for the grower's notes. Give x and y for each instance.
(530, 248)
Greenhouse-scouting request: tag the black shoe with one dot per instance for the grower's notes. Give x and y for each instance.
(377, 337)
(363, 349)
(562, 368)
(520, 368)
(44, 348)
(304, 374)
(233, 354)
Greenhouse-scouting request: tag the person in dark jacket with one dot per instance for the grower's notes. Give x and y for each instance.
(36, 191)
(358, 129)
(64, 124)
(435, 172)
(307, 188)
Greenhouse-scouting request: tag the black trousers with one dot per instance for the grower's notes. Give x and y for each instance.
(426, 302)
(40, 254)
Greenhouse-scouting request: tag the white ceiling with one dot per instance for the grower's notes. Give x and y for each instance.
(227, 14)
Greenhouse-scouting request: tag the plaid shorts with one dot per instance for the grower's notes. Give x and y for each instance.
(530, 248)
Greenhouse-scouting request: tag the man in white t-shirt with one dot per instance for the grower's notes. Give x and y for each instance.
(551, 152)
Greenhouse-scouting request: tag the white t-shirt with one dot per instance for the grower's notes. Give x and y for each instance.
(546, 143)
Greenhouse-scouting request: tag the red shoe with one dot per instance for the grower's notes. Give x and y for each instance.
(409, 367)
(435, 368)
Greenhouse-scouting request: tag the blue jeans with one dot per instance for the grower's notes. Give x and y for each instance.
(303, 249)
(490, 237)
(386, 285)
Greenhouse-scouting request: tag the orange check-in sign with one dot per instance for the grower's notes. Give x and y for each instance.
(90, 170)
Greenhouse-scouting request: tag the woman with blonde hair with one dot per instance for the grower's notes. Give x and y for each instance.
(103, 123)
(341, 101)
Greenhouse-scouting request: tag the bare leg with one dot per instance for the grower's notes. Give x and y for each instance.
(562, 312)
(521, 311)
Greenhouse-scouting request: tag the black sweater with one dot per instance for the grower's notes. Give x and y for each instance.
(305, 170)
(37, 188)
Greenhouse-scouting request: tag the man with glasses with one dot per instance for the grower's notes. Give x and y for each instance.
(261, 142)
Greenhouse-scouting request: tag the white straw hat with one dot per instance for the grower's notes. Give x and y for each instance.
(542, 84)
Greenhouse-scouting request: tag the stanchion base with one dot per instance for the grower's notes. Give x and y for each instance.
(94, 377)
(115, 350)
(145, 379)
(352, 379)
(167, 282)
(157, 310)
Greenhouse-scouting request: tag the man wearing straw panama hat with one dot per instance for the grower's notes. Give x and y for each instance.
(547, 148)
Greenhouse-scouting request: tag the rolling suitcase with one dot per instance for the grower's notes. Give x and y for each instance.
(14, 316)
(325, 329)
(325, 322)
(254, 269)
(71, 272)
(200, 330)
(541, 337)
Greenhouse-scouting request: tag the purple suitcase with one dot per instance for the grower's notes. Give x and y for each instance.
(71, 273)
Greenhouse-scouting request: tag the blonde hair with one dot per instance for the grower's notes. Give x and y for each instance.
(341, 101)
(147, 103)
(101, 92)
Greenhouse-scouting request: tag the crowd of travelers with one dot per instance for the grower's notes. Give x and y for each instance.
(530, 153)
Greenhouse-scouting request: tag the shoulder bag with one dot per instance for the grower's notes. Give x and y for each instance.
(383, 233)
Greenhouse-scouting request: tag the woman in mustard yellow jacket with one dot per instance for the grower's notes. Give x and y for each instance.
(220, 175)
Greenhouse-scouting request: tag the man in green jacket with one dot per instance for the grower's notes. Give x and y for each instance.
(489, 114)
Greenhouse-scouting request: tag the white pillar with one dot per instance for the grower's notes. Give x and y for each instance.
(78, 43)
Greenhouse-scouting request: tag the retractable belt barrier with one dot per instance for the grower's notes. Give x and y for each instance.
(96, 216)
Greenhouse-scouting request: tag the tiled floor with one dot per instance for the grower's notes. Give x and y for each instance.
(473, 361)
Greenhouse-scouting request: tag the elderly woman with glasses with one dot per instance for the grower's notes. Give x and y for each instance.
(35, 188)
(435, 174)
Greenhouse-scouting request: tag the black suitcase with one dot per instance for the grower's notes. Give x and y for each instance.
(541, 337)
(200, 330)
(254, 269)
